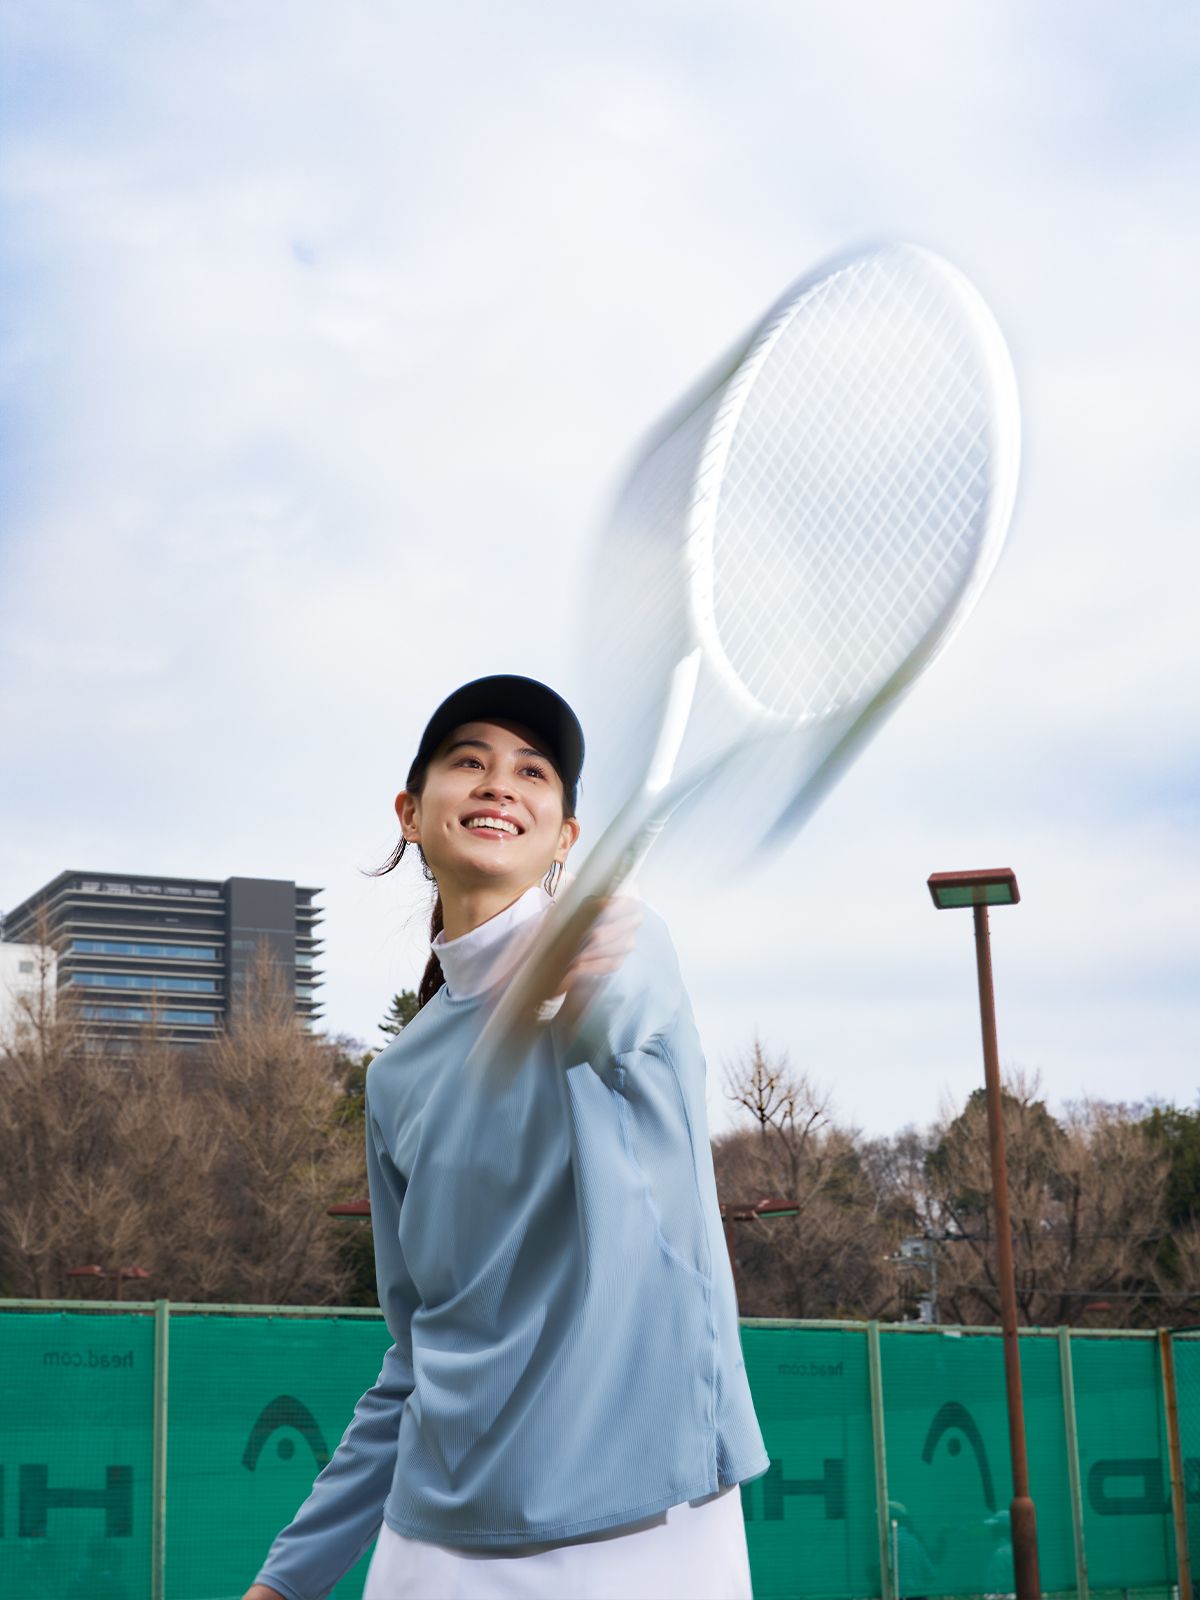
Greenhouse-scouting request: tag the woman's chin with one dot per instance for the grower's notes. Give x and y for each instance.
(480, 869)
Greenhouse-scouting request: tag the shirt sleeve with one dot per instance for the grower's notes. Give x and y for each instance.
(634, 1005)
(343, 1513)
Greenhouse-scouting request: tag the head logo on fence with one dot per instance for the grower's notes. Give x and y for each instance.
(283, 1415)
(954, 1415)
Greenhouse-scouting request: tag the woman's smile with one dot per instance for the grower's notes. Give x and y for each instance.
(497, 824)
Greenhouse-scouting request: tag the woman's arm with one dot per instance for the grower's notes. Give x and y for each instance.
(342, 1515)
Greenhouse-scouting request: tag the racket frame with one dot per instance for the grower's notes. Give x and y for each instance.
(628, 838)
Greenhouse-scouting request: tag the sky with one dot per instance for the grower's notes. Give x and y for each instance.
(326, 333)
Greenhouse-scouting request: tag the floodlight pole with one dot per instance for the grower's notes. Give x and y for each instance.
(979, 889)
(1022, 1515)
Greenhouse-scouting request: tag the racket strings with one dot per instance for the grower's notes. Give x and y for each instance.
(851, 573)
(875, 579)
(848, 491)
(853, 497)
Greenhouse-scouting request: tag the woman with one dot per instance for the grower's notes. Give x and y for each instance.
(564, 1411)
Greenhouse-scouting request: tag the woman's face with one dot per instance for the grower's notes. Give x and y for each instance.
(490, 811)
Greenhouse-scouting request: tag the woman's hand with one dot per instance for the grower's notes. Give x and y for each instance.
(611, 938)
(604, 951)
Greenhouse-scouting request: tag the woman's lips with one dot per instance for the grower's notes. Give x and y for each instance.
(492, 826)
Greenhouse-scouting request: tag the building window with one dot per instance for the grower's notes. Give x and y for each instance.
(24, 966)
(133, 980)
(117, 947)
(140, 1014)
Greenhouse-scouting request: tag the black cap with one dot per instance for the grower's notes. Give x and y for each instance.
(504, 698)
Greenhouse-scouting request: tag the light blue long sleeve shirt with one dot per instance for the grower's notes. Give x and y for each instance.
(552, 1268)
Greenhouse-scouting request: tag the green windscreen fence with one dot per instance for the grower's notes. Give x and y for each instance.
(256, 1408)
(131, 1469)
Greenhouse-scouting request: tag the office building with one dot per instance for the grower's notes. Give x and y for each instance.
(25, 971)
(181, 950)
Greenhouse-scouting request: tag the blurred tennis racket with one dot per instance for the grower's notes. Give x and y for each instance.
(796, 542)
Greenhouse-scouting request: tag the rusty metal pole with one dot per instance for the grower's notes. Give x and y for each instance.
(1183, 1561)
(1021, 1512)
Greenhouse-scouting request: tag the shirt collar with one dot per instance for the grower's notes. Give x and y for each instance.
(482, 958)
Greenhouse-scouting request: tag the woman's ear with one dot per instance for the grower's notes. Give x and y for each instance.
(406, 810)
(568, 836)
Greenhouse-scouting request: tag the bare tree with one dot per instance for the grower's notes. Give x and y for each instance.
(55, 1140)
(897, 1168)
(212, 1171)
(274, 1097)
(1086, 1196)
(827, 1261)
(787, 1109)
(1176, 1274)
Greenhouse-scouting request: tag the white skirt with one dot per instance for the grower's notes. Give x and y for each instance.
(692, 1550)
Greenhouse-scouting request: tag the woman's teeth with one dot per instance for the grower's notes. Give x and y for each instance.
(493, 824)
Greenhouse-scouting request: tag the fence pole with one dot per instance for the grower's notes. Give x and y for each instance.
(883, 1520)
(1068, 1394)
(158, 1542)
(1183, 1564)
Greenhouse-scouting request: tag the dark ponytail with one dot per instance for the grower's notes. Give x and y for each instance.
(432, 978)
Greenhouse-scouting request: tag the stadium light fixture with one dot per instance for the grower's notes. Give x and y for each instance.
(991, 886)
(751, 1211)
(118, 1273)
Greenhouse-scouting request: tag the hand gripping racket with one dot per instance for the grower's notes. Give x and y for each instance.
(794, 545)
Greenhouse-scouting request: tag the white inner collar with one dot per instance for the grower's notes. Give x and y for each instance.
(482, 958)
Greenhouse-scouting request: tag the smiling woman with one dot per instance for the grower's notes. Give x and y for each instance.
(564, 1410)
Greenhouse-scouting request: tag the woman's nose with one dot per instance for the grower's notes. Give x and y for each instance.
(491, 788)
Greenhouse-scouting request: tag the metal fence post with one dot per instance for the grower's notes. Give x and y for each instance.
(875, 1371)
(1183, 1564)
(158, 1498)
(1072, 1431)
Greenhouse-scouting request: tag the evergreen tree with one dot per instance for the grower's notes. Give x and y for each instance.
(1178, 1133)
(400, 1013)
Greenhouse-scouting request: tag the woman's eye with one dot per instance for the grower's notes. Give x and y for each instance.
(537, 771)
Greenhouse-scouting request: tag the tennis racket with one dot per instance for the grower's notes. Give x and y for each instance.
(793, 546)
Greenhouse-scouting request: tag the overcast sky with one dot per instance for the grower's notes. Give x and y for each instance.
(326, 331)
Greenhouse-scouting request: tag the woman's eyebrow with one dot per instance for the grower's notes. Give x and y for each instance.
(482, 744)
